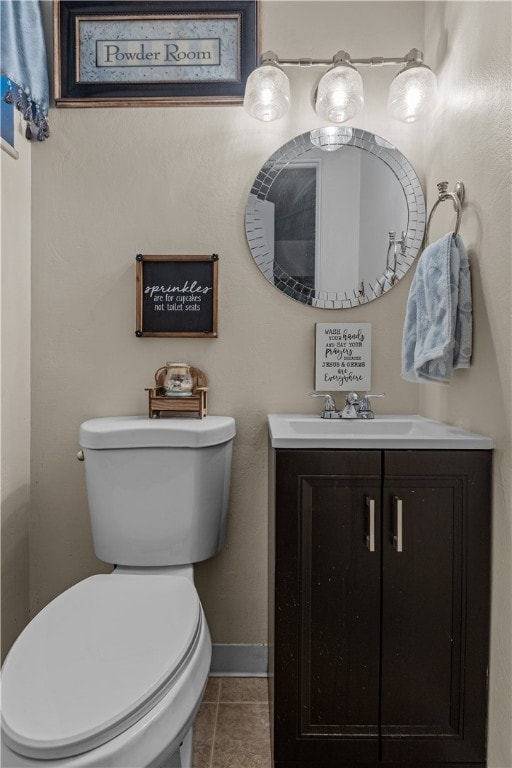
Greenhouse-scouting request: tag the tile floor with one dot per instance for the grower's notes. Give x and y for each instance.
(232, 727)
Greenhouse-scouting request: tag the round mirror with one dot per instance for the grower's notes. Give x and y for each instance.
(335, 217)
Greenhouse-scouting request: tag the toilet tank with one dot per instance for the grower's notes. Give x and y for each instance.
(157, 488)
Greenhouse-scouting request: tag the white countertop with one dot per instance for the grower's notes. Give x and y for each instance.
(402, 431)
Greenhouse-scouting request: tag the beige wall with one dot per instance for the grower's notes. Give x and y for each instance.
(469, 43)
(114, 182)
(15, 377)
(111, 183)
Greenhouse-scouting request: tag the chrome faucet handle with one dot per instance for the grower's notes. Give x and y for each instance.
(329, 409)
(365, 411)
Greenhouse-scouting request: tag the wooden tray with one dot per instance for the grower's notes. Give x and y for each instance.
(162, 405)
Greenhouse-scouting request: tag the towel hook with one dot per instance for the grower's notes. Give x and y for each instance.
(457, 198)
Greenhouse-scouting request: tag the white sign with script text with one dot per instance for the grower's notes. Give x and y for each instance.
(343, 357)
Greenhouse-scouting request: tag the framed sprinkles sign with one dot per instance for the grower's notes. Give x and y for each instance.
(176, 295)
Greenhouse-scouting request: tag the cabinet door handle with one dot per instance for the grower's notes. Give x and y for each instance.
(398, 537)
(370, 536)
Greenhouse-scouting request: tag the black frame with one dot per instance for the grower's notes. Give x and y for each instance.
(172, 324)
(70, 93)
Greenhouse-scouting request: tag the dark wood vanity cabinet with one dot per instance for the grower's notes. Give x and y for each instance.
(379, 607)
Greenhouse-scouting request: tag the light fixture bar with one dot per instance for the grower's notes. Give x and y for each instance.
(302, 62)
(339, 95)
(414, 55)
(379, 61)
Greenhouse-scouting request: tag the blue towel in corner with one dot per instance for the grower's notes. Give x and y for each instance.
(438, 319)
(23, 62)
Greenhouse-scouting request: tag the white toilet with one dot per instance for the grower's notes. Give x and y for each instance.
(111, 673)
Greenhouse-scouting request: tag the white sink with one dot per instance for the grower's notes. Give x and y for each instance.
(403, 431)
(307, 425)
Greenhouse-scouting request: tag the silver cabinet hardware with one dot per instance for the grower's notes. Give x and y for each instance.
(370, 538)
(398, 537)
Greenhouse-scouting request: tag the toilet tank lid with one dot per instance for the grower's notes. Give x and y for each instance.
(143, 432)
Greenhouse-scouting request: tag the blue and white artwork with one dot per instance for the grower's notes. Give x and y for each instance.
(7, 114)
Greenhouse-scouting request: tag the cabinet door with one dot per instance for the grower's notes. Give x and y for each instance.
(436, 522)
(327, 612)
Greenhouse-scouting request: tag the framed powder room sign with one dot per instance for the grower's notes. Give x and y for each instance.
(177, 296)
(153, 52)
(343, 356)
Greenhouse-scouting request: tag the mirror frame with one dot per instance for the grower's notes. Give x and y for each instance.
(299, 147)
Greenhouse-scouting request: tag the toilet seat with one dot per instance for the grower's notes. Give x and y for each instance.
(95, 661)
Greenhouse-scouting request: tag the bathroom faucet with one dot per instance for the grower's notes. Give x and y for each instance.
(329, 410)
(356, 407)
(364, 411)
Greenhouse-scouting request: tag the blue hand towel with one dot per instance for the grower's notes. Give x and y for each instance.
(438, 320)
(23, 61)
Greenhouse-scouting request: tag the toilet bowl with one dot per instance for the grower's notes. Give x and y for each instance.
(111, 673)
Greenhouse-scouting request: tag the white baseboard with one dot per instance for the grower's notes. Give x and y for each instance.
(239, 660)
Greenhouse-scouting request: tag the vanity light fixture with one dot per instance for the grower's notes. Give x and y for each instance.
(339, 95)
(413, 90)
(267, 92)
